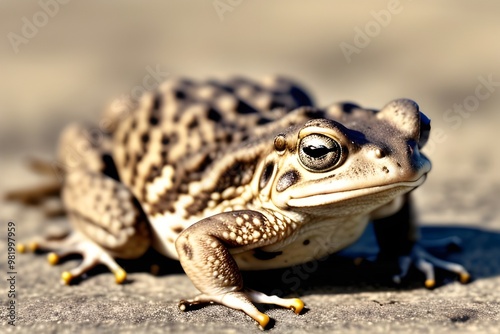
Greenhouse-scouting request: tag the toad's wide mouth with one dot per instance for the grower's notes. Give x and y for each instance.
(323, 198)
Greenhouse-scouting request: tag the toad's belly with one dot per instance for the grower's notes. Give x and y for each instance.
(165, 230)
(313, 242)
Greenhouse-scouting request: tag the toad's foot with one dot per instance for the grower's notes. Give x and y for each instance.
(241, 300)
(425, 262)
(75, 243)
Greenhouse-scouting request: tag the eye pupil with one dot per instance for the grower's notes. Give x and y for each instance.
(319, 153)
(316, 151)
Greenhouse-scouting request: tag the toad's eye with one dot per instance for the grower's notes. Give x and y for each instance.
(319, 153)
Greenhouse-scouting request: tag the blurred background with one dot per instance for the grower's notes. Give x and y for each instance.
(64, 61)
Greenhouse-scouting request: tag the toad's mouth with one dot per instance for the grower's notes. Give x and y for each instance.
(323, 197)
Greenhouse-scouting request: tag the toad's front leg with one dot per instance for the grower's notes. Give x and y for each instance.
(204, 252)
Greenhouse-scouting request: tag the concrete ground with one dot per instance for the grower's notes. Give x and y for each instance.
(445, 56)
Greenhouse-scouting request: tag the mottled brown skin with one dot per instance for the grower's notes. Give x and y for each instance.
(241, 175)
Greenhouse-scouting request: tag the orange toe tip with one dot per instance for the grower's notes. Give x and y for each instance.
(120, 276)
(464, 278)
(53, 258)
(66, 277)
(263, 320)
(297, 305)
(430, 283)
(21, 248)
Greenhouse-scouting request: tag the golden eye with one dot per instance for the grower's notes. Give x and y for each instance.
(319, 153)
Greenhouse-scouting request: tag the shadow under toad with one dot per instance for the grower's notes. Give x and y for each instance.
(479, 253)
(342, 272)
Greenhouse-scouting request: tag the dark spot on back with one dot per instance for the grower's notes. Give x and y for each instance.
(227, 88)
(153, 174)
(301, 97)
(205, 163)
(275, 105)
(212, 82)
(133, 125)
(244, 108)
(214, 115)
(165, 140)
(287, 180)
(262, 255)
(263, 120)
(145, 138)
(153, 120)
(193, 124)
(157, 102)
(163, 155)
(138, 158)
(180, 95)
